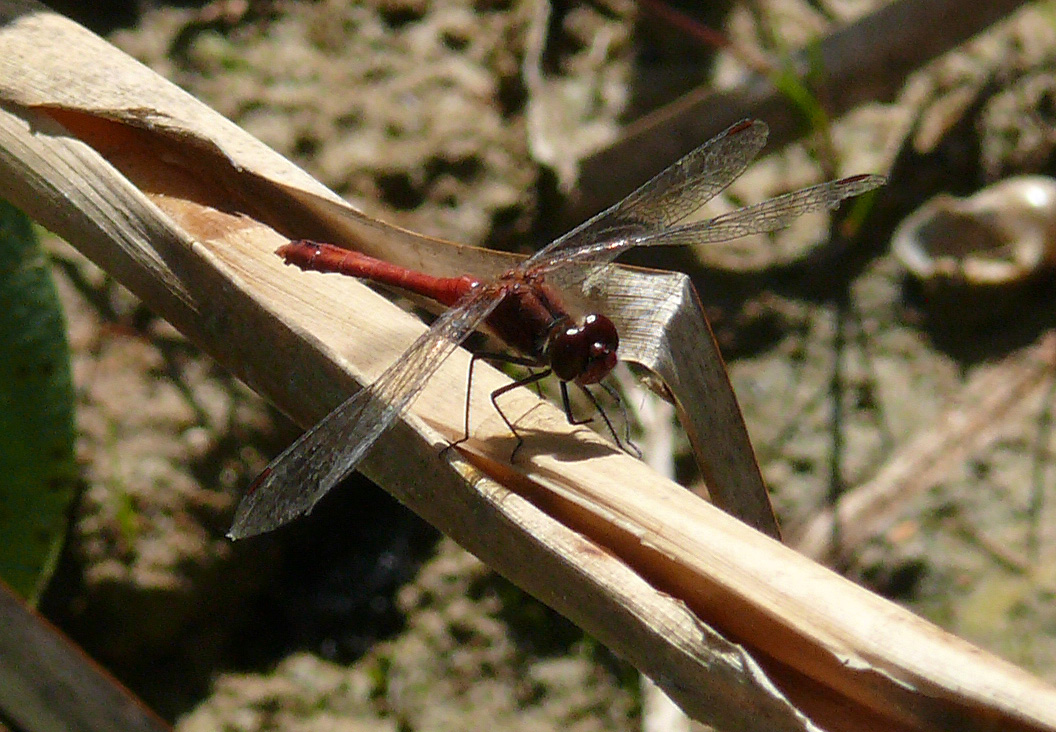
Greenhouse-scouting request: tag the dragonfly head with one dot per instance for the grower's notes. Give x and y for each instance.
(583, 352)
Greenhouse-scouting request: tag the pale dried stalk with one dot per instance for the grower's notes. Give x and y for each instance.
(186, 210)
(656, 418)
(873, 507)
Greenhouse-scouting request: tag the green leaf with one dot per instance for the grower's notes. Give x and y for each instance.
(37, 466)
(798, 91)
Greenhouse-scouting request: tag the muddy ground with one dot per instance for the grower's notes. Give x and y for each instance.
(362, 617)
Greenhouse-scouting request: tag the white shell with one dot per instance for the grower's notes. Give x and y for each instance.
(1002, 235)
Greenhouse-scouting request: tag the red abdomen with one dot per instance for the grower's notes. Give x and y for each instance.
(318, 257)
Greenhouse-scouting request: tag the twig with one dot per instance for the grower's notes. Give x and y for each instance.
(872, 508)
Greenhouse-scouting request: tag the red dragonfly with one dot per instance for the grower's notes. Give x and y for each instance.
(522, 308)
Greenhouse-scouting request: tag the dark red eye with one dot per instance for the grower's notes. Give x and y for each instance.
(584, 353)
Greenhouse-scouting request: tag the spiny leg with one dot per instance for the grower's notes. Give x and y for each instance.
(626, 444)
(629, 447)
(510, 387)
(568, 406)
(501, 358)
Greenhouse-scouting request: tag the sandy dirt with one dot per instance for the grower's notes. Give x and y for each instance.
(362, 617)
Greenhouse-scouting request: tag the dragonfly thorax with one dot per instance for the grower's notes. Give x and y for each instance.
(583, 352)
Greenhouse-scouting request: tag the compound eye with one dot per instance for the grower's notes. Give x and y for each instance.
(600, 333)
(584, 353)
(604, 342)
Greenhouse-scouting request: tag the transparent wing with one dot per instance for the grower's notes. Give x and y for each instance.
(665, 200)
(587, 276)
(298, 478)
(770, 215)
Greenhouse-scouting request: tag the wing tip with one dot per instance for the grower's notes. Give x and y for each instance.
(261, 510)
(856, 185)
(250, 521)
(254, 522)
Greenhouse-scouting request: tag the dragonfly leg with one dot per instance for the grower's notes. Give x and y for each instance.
(534, 378)
(626, 444)
(568, 406)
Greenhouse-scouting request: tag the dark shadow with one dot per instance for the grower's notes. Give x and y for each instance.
(671, 56)
(972, 325)
(101, 16)
(341, 568)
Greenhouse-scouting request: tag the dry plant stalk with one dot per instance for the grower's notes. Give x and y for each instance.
(873, 507)
(36, 659)
(186, 210)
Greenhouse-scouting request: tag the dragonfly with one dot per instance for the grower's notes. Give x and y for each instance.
(523, 308)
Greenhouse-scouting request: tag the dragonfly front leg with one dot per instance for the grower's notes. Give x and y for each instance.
(625, 444)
